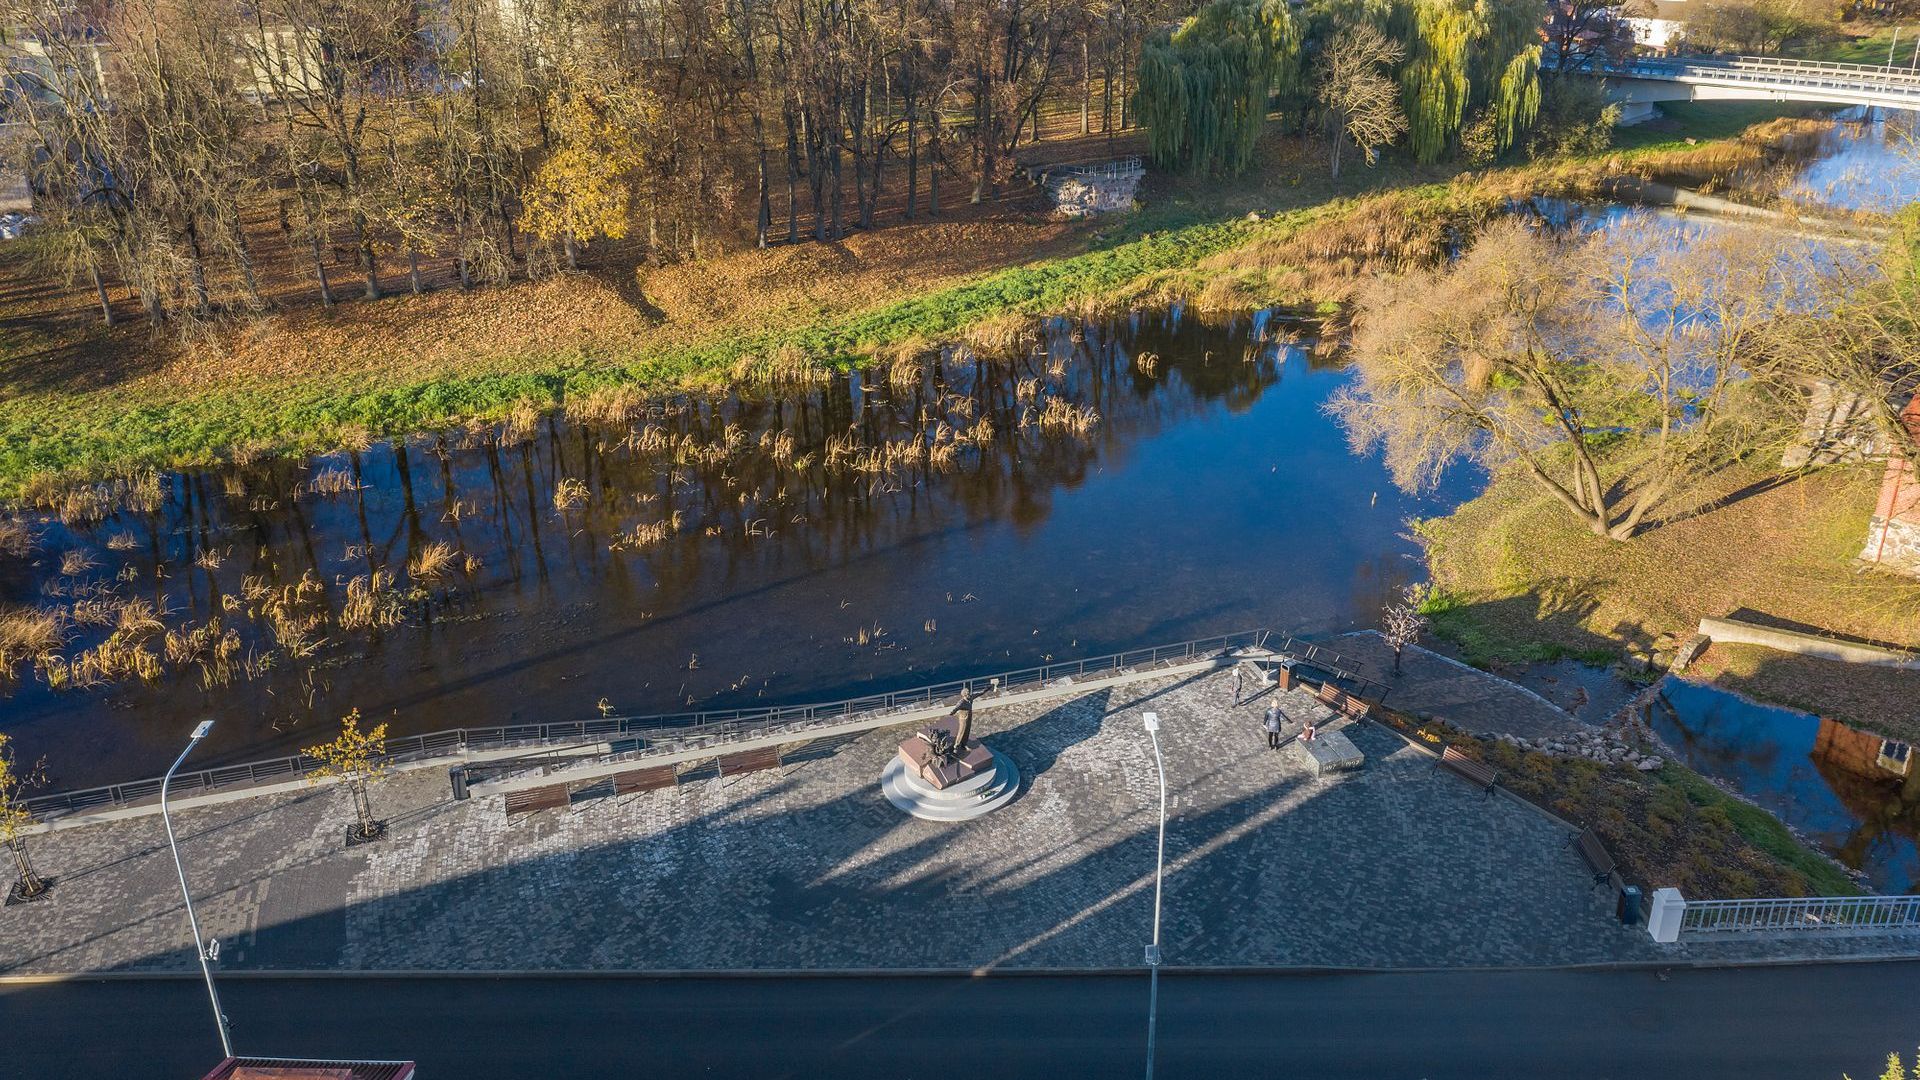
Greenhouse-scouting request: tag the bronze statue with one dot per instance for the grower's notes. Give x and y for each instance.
(963, 712)
(944, 750)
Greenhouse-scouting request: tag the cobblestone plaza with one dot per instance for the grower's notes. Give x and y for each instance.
(808, 867)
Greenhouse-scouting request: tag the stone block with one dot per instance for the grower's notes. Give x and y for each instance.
(1329, 752)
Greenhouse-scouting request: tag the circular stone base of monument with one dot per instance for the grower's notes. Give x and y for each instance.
(982, 793)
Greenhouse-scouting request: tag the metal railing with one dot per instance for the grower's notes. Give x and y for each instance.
(1824, 914)
(633, 735)
(1768, 71)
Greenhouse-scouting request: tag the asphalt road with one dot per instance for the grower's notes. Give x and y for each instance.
(1800, 1022)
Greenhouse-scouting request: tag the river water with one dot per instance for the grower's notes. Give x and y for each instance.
(1212, 494)
(1839, 786)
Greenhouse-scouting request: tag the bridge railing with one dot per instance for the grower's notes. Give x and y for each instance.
(1765, 70)
(1815, 914)
(709, 726)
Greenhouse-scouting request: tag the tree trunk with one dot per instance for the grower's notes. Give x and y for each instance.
(413, 270)
(320, 270)
(1086, 86)
(363, 806)
(30, 883)
(100, 291)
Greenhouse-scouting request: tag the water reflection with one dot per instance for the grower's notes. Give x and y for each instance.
(1106, 486)
(1869, 160)
(1853, 793)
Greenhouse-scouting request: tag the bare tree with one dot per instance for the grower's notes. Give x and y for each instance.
(1610, 370)
(1360, 102)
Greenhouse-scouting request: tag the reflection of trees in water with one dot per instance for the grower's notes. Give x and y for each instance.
(795, 481)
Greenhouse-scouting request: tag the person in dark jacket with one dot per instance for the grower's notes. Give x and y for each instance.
(1275, 718)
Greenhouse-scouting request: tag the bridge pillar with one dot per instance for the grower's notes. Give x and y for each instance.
(1636, 112)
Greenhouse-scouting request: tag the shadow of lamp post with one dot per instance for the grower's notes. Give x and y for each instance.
(193, 921)
(1152, 720)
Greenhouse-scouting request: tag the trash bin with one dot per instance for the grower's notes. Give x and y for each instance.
(458, 775)
(1630, 905)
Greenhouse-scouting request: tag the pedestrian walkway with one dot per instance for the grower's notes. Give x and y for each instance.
(1436, 687)
(809, 867)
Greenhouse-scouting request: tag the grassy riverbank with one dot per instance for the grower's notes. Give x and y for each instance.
(81, 401)
(1518, 579)
(1669, 827)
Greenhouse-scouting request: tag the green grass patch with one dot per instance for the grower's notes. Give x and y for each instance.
(1872, 49)
(1707, 121)
(1763, 831)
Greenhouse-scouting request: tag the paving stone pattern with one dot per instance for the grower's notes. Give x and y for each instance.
(809, 867)
(1439, 687)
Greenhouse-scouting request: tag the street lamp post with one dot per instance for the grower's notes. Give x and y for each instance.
(1159, 867)
(199, 947)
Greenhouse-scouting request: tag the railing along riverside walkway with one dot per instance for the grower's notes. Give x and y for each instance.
(1807, 80)
(1673, 915)
(1824, 914)
(630, 736)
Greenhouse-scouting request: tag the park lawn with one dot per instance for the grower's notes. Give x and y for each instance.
(1871, 48)
(1519, 578)
(80, 401)
(1685, 124)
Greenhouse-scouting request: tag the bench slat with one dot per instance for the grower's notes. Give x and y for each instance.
(653, 779)
(540, 798)
(750, 761)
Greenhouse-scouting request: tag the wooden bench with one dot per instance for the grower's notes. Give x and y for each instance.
(750, 761)
(652, 779)
(1341, 702)
(527, 800)
(1596, 854)
(1479, 773)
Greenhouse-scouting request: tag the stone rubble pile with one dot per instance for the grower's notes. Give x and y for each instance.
(1605, 745)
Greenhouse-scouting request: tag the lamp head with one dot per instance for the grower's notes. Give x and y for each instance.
(1152, 720)
(201, 729)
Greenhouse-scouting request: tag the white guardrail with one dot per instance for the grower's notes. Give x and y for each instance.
(1770, 71)
(1672, 915)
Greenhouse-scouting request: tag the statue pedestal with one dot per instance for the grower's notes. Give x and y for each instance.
(972, 790)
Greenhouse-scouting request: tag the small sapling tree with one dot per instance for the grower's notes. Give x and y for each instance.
(15, 781)
(358, 759)
(1401, 622)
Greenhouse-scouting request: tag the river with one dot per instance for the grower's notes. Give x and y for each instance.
(1211, 494)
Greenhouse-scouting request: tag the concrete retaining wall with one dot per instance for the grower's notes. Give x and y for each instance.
(1739, 632)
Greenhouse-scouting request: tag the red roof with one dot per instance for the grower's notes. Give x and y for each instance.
(308, 1069)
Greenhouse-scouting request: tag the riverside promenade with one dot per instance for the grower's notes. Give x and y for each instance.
(808, 867)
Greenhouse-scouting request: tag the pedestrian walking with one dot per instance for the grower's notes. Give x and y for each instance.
(1239, 678)
(1275, 718)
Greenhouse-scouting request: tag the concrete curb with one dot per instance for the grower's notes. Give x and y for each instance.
(1270, 971)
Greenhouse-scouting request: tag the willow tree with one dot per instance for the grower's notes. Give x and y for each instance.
(1516, 100)
(1204, 91)
(1437, 82)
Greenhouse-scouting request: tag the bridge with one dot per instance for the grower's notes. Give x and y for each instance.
(1639, 82)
